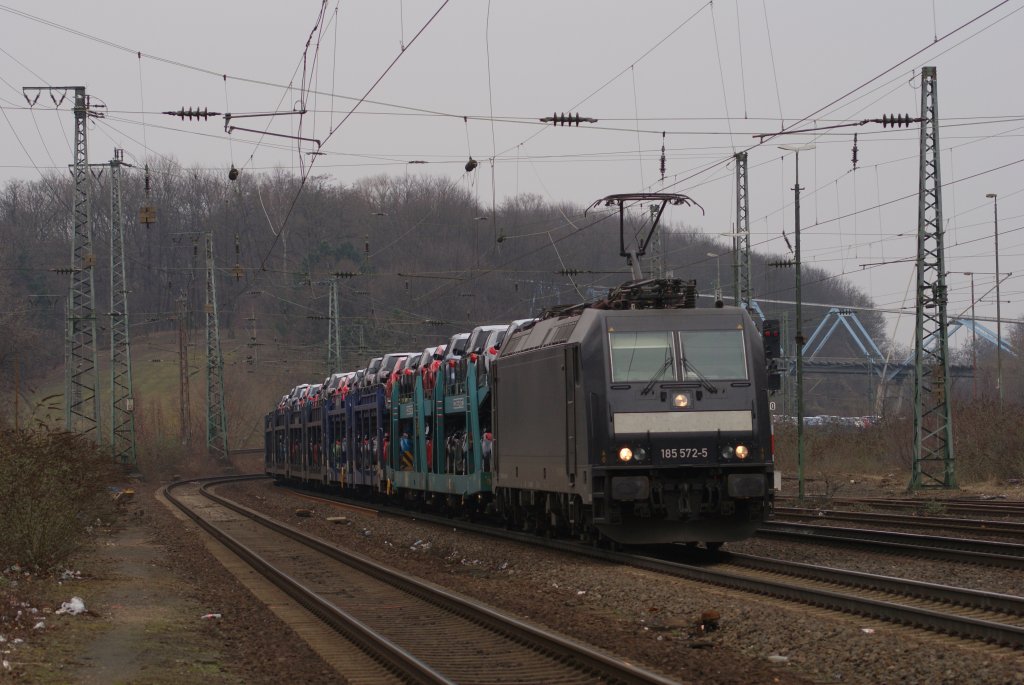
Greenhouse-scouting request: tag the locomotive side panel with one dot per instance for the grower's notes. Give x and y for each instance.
(530, 443)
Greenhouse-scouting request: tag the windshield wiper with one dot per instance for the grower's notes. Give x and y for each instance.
(705, 383)
(657, 374)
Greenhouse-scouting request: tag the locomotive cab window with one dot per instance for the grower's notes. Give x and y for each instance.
(717, 355)
(639, 356)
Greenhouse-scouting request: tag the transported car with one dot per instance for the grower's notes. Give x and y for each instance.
(456, 347)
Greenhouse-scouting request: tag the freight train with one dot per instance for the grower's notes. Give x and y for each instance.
(636, 419)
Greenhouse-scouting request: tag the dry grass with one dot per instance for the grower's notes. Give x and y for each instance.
(249, 393)
(986, 446)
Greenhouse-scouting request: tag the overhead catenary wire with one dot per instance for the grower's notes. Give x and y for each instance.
(768, 138)
(739, 43)
(879, 208)
(636, 111)
(771, 54)
(125, 48)
(302, 181)
(721, 74)
(490, 110)
(614, 78)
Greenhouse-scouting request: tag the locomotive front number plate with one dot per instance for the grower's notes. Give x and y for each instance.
(684, 453)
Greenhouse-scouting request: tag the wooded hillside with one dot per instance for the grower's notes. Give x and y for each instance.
(418, 258)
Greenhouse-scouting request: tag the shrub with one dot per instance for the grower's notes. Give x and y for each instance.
(986, 439)
(986, 447)
(53, 486)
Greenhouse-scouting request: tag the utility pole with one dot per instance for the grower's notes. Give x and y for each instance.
(741, 239)
(122, 402)
(254, 356)
(81, 372)
(974, 342)
(787, 388)
(934, 464)
(333, 331)
(718, 278)
(999, 318)
(216, 417)
(184, 399)
(799, 338)
(17, 391)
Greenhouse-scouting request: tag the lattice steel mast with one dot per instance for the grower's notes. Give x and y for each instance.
(933, 425)
(333, 331)
(184, 399)
(122, 404)
(741, 240)
(81, 372)
(216, 417)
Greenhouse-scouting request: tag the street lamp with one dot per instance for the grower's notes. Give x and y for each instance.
(738, 266)
(797, 149)
(974, 342)
(718, 278)
(999, 320)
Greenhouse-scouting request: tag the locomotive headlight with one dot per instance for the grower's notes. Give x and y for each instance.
(641, 454)
(625, 454)
(681, 401)
(728, 452)
(742, 451)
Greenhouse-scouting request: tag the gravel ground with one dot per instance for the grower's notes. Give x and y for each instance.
(648, 618)
(256, 646)
(146, 582)
(653, 619)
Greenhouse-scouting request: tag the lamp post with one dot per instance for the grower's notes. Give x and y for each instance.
(999, 320)
(738, 267)
(974, 342)
(718, 277)
(799, 338)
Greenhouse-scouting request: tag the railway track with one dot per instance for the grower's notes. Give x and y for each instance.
(978, 526)
(406, 629)
(985, 616)
(963, 550)
(989, 617)
(988, 507)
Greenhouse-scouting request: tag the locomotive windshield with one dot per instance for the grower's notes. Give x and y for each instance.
(716, 355)
(709, 355)
(639, 355)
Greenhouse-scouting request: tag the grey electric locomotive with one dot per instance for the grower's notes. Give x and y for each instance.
(647, 422)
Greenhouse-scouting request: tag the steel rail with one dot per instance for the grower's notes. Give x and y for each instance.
(966, 626)
(963, 597)
(983, 552)
(389, 655)
(986, 507)
(582, 657)
(973, 525)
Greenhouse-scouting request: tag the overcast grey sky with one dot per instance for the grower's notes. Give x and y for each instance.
(707, 74)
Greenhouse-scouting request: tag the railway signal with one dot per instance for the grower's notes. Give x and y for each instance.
(772, 339)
